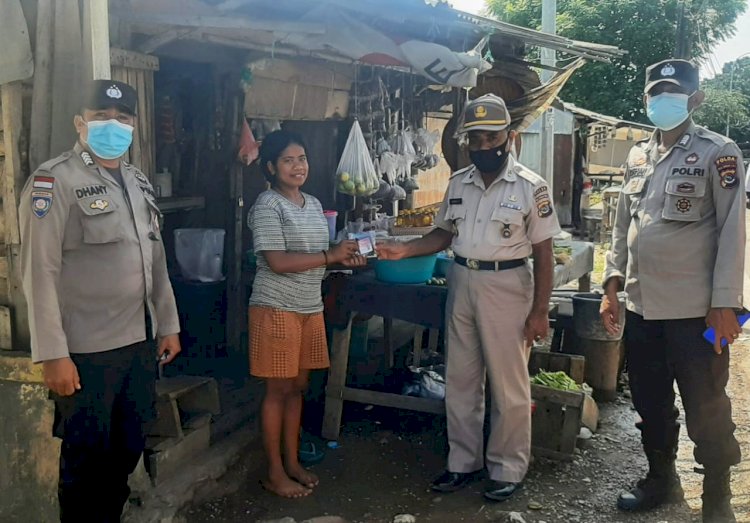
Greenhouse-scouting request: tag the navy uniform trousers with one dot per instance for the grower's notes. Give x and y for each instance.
(660, 352)
(102, 427)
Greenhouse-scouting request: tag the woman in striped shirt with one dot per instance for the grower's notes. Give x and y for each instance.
(287, 331)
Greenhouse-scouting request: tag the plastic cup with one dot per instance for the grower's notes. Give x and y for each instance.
(331, 218)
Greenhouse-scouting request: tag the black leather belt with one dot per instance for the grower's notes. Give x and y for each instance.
(478, 265)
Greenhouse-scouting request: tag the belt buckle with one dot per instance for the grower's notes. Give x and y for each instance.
(472, 264)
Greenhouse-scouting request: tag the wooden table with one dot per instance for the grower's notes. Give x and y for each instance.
(419, 304)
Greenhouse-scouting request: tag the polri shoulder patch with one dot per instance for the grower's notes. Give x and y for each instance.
(726, 166)
(41, 203)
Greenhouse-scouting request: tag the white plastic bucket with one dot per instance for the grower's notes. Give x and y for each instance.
(200, 253)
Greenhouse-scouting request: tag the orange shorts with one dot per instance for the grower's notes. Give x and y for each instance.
(282, 342)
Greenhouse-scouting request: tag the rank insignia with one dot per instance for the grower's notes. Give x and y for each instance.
(88, 161)
(41, 203)
(685, 140)
(99, 204)
(684, 205)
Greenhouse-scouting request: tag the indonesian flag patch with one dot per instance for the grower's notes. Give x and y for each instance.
(44, 182)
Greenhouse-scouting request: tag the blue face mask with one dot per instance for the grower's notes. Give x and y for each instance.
(109, 139)
(667, 110)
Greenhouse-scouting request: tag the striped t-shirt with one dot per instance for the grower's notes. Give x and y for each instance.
(279, 225)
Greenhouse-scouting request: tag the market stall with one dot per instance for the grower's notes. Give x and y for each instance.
(420, 304)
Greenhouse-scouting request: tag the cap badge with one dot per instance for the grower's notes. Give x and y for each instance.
(114, 92)
(480, 111)
(668, 70)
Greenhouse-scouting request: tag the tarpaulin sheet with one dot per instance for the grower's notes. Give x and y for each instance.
(16, 61)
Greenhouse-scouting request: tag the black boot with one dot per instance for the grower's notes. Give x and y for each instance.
(717, 496)
(661, 485)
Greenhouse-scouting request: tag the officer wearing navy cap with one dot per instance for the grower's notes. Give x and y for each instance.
(678, 251)
(95, 279)
(496, 213)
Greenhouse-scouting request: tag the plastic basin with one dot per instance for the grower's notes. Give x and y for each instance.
(442, 265)
(409, 270)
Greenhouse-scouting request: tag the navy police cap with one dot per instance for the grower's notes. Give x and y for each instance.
(678, 72)
(103, 94)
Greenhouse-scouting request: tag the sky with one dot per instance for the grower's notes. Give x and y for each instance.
(725, 52)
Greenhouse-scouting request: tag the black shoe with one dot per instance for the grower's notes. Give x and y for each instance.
(717, 497)
(650, 493)
(452, 481)
(501, 490)
(660, 486)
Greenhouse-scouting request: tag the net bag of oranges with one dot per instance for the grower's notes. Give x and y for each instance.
(356, 174)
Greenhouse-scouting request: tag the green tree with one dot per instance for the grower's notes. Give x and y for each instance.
(722, 105)
(646, 29)
(728, 101)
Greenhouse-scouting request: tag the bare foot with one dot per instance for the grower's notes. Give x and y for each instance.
(301, 474)
(285, 487)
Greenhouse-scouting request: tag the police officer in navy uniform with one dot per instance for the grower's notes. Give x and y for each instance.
(678, 250)
(95, 279)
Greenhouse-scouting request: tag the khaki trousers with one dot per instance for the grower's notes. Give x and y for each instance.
(486, 312)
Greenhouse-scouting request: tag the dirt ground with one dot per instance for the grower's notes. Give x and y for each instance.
(387, 458)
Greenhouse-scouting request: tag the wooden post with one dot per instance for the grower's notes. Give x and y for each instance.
(96, 40)
(13, 178)
(13, 181)
(340, 341)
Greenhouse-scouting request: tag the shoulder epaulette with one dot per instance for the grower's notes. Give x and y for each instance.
(528, 175)
(49, 165)
(462, 171)
(707, 134)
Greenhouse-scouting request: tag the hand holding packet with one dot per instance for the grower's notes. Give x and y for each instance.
(710, 334)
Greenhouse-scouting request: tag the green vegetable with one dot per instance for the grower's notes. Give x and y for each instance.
(556, 380)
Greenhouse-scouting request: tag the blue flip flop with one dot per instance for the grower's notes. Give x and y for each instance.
(309, 453)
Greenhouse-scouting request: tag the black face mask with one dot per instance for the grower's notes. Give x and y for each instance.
(490, 160)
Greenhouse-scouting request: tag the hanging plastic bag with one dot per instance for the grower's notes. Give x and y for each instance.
(249, 148)
(356, 174)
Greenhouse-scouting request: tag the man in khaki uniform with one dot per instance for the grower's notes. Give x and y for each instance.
(496, 213)
(678, 250)
(95, 278)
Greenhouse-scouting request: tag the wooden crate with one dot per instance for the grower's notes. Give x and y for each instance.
(557, 415)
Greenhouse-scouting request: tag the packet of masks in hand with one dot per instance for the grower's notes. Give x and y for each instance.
(710, 333)
(365, 242)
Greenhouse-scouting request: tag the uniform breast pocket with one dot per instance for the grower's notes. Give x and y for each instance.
(683, 197)
(633, 190)
(505, 227)
(100, 223)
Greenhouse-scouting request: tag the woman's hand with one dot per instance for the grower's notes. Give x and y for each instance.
(355, 261)
(342, 252)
